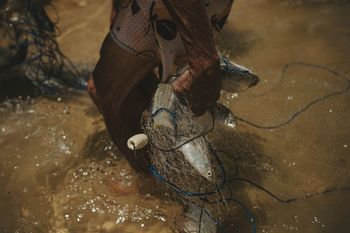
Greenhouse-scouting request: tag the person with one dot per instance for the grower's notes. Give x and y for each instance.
(124, 79)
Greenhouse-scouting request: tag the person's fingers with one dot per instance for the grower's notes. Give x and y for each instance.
(182, 84)
(201, 108)
(217, 92)
(198, 110)
(201, 96)
(176, 87)
(210, 105)
(201, 104)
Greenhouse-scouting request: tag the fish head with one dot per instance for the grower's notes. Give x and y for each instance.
(237, 77)
(224, 116)
(209, 175)
(199, 155)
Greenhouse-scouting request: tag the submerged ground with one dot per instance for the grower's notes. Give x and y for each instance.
(60, 173)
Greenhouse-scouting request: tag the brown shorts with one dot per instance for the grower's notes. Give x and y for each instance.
(124, 87)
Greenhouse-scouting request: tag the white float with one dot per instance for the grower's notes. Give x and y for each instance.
(137, 141)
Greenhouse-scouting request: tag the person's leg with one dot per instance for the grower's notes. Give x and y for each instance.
(122, 87)
(92, 91)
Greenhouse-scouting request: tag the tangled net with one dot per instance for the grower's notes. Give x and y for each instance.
(207, 203)
(32, 47)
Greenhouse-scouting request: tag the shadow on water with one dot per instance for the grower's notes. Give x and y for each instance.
(14, 84)
(237, 43)
(244, 157)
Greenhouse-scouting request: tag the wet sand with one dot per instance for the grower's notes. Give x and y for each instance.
(59, 171)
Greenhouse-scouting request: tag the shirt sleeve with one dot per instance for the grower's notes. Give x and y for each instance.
(196, 32)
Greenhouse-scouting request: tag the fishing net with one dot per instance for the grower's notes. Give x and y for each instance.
(208, 201)
(205, 193)
(168, 159)
(30, 36)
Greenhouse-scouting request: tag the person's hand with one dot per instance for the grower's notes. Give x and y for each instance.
(200, 89)
(201, 84)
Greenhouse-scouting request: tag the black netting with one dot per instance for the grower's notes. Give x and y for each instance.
(30, 36)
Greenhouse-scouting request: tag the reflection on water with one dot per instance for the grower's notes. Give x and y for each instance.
(60, 173)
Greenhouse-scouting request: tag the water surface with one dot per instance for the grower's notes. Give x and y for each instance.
(59, 172)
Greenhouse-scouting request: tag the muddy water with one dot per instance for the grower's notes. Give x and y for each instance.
(59, 171)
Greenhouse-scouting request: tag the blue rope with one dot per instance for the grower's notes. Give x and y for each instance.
(203, 195)
(178, 190)
(248, 214)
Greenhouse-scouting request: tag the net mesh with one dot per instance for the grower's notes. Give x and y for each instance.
(208, 202)
(32, 47)
(171, 128)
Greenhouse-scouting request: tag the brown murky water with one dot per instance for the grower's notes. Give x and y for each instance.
(60, 173)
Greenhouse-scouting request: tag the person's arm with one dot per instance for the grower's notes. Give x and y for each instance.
(200, 85)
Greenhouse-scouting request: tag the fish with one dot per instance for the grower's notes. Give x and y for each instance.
(167, 110)
(197, 152)
(162, 104)
(236, 78)
(224, 116)
(195, 217)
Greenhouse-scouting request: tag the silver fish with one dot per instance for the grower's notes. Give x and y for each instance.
(236, 77)
(193, 220)
(197, 152)
(224, 116)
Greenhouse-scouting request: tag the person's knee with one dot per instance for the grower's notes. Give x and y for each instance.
(91, 86)
(92, 92)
